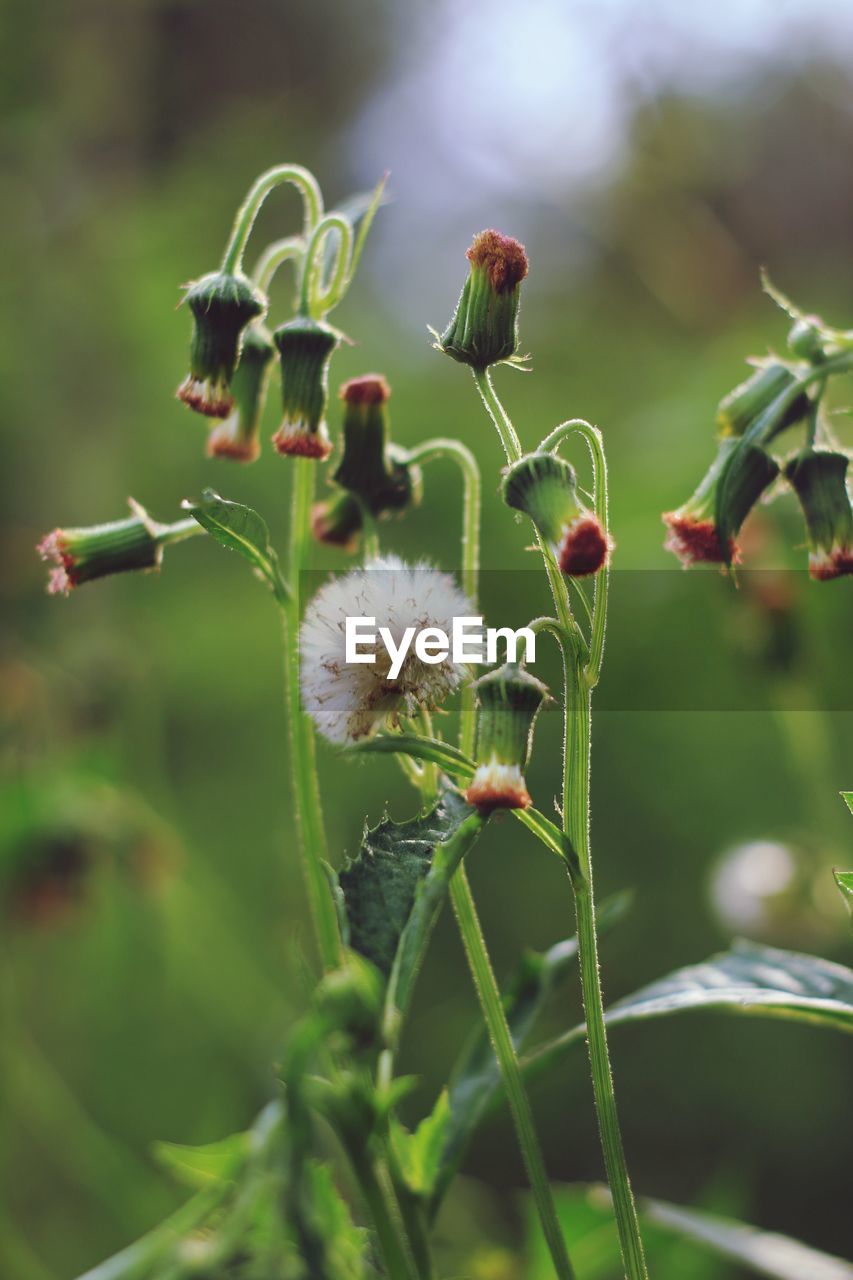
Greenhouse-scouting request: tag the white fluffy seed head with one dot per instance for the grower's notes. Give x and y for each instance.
(349, 701)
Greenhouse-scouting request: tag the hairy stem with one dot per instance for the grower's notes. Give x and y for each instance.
(305, 182)
(306, 792)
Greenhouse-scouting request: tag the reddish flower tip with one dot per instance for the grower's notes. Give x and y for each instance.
(697, 541)
(488, 796)
(823, 567)
(503, 258)
(584, 548)
(221, 445)
(369, 389)
(53, 550)
(302, 444)
(204, 399)
(325, 530)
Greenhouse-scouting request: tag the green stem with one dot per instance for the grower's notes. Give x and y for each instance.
(315, 299)
(576, 826)
(169, 534)
(290, 249)
(501, 1039)
(302, 745)
(232, 259)
(379, 1200)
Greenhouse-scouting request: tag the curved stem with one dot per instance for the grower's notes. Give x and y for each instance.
(168, 534)
(315, 299)
(290, 249)
(501, 1039)
(232, 259)
(500, 417)
(302, 746)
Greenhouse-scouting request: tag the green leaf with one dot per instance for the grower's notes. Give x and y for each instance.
(677, 1242)
(240, 529)
(749, 979)
(449, 759)
(420, 1153)
(848, 797)
(380, 885)
(344, 1243)
(844, 880)
(199, 1167)
(475, 1081)
(142, 1259)
(364, 216)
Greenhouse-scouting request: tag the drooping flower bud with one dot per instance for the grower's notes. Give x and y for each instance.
(305, 349)
(703, 529)
(819, 478)
(544, 487)
(740, 408)
(338, 521)
(222, 306)
(370, 467)
(80, 555)
(484, 328)
(237, 436)
(508, 702)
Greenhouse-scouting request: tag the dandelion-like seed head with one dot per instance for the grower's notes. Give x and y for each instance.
(349, 701)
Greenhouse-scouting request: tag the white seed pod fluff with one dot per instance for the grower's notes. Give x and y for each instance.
(348, 701)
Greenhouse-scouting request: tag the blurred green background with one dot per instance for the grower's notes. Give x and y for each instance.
(154, 931)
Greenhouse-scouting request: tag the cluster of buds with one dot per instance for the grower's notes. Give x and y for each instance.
(771, 400)
(508, 701)
(484, 327)
(372, 477)
(545, 488)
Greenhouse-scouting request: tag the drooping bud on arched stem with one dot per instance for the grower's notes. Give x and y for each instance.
(305, 349)
(508, 702)
(544, 487)
(237, 436)
(370, 467)
(738, 410)
(222, 305)
(703, 529)
(819, 478)
(484, 328)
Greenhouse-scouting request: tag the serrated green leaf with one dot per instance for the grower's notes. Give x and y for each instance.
(749, 979)
(419, 1153)
(844, 880)
(379, 886)
(677, 1241)
(240, 529)
(847, 796)
(475, 1081)
(198, 1167)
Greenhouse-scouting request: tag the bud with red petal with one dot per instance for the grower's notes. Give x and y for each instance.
(237, 436)
(819, 477)
(544, 487)
(371, 467)
(338, 521)
(305, 349)
(80, 555)
(484, 328)
(508, 702)
(222, 305)
(703, 529)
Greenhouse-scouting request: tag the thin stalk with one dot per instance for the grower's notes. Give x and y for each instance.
(290, 249)
(379, 1199)
(168, 534)
(501, 1039)
(315, 298)
(302, 746)
(232, 259)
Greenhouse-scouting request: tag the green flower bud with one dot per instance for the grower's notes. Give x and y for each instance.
(544, 487)
(338, 521)
(806, 338)
(305, 350)
(80, 555)
(371, 468)
(819, 478)
(508, 702)
(222, 306)
(740, 408)
(484, 328)
(350, 1000)
(703, 529)
(237, 436)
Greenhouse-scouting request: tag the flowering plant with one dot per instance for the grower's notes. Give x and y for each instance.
(266, 1203)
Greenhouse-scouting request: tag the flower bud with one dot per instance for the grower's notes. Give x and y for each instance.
(739, 409)
(819, 478)
(370, 467)
(350, 1000)
(338, 521)
(508, 702)
(222, 306)
(484, 328)
(305, 349)
(806, 338)
(80, 555)
(544, 487)
(703, 529)
(237, 436)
